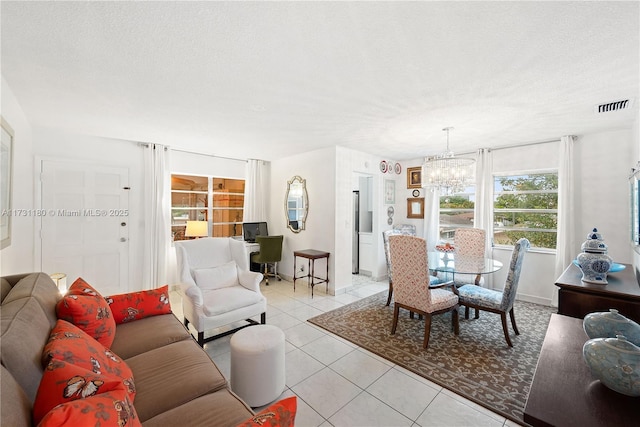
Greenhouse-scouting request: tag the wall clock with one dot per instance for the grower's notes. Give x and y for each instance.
(416, 193)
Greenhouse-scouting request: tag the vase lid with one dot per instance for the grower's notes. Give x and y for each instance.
(594, 234)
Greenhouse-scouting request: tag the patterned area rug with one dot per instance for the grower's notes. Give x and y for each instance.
(477, 364)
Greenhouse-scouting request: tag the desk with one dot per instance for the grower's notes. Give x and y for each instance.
(563, 392)
(449, 262)
(311, 255)
(577, 298)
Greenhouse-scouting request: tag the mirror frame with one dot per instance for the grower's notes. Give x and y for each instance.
(305, 197)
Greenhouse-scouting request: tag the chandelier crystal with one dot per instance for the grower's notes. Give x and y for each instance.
(448, 173)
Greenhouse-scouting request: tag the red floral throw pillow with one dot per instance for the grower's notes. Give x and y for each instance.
(86, 308)
(72, 345)
(63, 382)
(280, 414)
(138, 305)
(112, 408)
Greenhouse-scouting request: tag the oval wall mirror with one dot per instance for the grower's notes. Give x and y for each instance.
(296, 204)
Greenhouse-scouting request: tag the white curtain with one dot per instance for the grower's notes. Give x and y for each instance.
(484, 194)
(566, 210)
(255, 192)
(431, 217)
(157, 235)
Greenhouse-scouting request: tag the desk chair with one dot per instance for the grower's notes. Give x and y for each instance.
(270, 253)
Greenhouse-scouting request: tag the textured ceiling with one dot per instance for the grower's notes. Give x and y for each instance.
(270, 79)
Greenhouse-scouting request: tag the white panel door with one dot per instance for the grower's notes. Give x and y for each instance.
(85, 223)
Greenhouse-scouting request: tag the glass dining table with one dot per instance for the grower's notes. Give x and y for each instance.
(451, 264)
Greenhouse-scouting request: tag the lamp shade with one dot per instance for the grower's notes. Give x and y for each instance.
(196, 229)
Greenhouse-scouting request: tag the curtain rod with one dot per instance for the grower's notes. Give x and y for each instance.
(526, 144)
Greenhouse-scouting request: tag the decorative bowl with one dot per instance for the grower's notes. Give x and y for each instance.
(609, 324)
(445, 248)
(615, 267)
(615, 362)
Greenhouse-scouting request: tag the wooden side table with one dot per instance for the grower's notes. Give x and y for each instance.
(311, 255)
(563, 391)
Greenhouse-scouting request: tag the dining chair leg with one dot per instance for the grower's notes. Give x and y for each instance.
(390, 293)
(503, 317)
(427, 330)
(396, 311)
(477, 316)
(513, 321)
(455, 321)
(466, 312)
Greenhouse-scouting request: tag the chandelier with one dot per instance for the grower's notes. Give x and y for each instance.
(447, 173)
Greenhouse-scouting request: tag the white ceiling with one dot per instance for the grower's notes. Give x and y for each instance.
(271, 79)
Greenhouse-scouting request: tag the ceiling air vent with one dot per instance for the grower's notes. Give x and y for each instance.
(614, 106)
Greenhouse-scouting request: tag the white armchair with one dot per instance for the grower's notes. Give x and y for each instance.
(216, 285)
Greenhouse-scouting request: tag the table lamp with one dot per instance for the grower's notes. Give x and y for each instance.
(196, 229)
(61, 282)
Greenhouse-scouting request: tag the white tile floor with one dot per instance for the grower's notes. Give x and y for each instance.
(340, 384)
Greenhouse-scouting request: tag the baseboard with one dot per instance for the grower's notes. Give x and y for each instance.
(534, 299)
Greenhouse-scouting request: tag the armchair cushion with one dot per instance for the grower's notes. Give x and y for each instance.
(218, 277)
(228, 299)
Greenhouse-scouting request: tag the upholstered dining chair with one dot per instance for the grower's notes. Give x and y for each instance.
(398, 229)
(407, 229)
(472, 242)
(413, 290)
(500, 302)
(270, 253)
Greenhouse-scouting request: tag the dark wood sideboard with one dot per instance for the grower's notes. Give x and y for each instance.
(577, 298)
(564, 393)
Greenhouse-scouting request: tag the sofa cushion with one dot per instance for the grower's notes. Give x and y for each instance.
(63, 382)
(138, 305)
(112, 408)
(133, 338)
(279, 414)
(223, 406)
(72, 345)
(228, 299)
(42, 288)
(5, 287)
(212, 278)
(170, 376)
(15, 405)
(86, 308)
(25, 329)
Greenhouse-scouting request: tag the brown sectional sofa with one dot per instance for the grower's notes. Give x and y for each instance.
(176, 381)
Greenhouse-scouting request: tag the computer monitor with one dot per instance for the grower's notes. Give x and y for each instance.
(252, 229)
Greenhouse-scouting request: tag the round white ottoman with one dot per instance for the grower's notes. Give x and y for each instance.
(257, 364)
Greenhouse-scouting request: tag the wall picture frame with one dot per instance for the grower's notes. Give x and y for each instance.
(415, 207)
(389, 192)
(414, 177)
(6, 184)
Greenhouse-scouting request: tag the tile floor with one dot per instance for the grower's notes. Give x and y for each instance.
(340, 384)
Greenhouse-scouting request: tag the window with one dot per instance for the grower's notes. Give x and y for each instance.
(526, 205)
(456, 211)
(219, 201)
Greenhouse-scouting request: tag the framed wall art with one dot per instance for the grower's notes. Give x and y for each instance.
(6, 171)
(415, 207)
(389, 191)
(414, 177)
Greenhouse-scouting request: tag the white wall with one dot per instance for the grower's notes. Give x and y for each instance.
(318, 169)
(19, 256)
